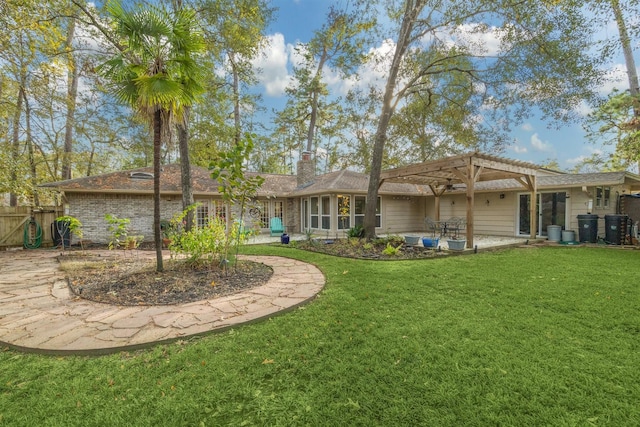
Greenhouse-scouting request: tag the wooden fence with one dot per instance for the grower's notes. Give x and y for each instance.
(13, 221)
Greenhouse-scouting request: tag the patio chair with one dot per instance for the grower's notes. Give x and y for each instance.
(275, 227)
(431, 226)
(455, 225)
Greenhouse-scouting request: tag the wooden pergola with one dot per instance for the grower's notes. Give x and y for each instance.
(467, 169)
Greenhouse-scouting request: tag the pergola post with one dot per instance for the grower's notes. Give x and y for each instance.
(470, 203)
(437, 192)
(533, 185)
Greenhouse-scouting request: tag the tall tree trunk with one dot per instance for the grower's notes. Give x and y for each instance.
(237, 134)
(30, 151)
(632, 74)
(410, 14)
(314, 101)
(72, 94)
(157, 145)
(183, 146)
(185, 167)
(15, 148)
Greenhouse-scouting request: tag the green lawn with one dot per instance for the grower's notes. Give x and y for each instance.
(536, 336)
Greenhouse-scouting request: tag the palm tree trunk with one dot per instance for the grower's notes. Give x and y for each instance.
(157, 144)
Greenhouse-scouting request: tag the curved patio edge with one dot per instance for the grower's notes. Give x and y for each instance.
(41, 316)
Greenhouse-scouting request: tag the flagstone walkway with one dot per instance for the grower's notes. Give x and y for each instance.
(38, 312)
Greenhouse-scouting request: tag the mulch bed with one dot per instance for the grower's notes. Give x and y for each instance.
(358, 248)
(128, 281)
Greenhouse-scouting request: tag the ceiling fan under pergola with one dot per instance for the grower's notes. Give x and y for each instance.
(449, 186)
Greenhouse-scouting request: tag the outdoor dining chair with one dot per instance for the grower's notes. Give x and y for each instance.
(432, 225)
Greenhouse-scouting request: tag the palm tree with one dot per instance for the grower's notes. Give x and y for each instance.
(156, 72)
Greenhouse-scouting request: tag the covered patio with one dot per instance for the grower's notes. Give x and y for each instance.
(466, 169)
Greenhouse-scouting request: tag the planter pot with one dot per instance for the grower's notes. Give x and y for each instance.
(284, 239)
(429, 242)
(568, 236)
(456, 245)
(554, 232)
(412, 240)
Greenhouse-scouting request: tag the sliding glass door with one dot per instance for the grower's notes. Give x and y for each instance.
(551, 209)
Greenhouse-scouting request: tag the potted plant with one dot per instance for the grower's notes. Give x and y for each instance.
(72, 225)
(132, 242)
(430, 242)
(456, 244)
(411, 240)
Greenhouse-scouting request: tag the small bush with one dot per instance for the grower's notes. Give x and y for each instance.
(200, 244)
(392, 250)
(356, 231)
(119, 229)
(205, 244)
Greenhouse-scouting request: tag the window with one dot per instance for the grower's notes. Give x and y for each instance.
(314, 212)
(358, 211)
(278, 209)
(221, 210)
(344, 212)
(202, 214)
(326, 212)
(207, 208)
(264, 213)
(603, 197)
(141, 175)
(305, 214)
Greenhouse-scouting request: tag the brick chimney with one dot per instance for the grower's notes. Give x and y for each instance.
(306, 169)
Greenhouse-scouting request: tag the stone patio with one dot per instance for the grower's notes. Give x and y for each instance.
(39, 314)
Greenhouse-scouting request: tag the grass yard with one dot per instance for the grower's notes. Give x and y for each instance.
(522, 337)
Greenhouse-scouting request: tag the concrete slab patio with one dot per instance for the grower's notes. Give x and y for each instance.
(38, 313)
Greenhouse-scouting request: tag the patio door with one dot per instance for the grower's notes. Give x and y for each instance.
(551, 209)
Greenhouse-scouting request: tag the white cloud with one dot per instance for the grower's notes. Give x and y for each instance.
(575, 160)
(519, 149)
(540, 145)
(591, 151)
(616, 79)
(374, 72)
(479, 38)
(527, 127)
(272, 65)
(584, 109)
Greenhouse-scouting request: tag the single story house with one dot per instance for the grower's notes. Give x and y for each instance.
(494, 194)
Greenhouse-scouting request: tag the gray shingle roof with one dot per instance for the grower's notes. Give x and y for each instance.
(335, 182)
(170, 183)
(353, 182)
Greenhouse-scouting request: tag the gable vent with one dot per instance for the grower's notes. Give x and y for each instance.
(141, 175)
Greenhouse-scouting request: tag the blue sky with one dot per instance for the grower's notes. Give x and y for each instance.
(535, 141)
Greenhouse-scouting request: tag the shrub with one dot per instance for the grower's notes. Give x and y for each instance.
(119, 229)
(356, 231)
(200, 243)
(206, 244)
(392, 250)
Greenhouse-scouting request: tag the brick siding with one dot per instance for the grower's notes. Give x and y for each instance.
(90, 210)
